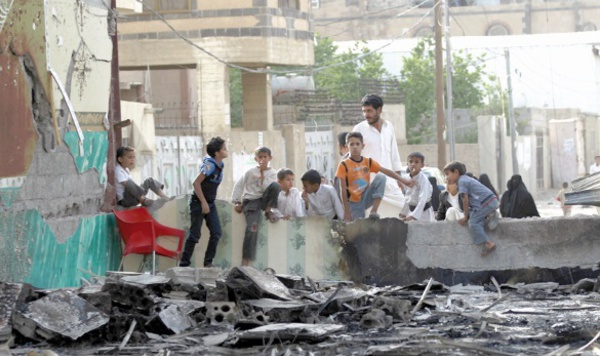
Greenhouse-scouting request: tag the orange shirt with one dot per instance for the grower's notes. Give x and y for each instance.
(357, 176)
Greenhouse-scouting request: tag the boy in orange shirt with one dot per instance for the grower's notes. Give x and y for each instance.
(354, 174)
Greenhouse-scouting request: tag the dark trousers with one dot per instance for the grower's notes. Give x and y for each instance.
(214, 227)
(133, 192)
(252, 210)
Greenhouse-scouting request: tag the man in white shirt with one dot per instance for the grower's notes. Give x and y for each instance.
(380, 142)
(595, 167)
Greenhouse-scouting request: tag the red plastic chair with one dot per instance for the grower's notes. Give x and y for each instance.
(140, 232)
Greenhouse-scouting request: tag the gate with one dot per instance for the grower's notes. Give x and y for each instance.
(178, 160)
(321, 151)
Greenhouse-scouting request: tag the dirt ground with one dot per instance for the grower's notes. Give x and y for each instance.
(548, 207)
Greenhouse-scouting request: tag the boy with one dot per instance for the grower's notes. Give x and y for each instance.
(256, 190)
(320, 199)
(354, 174)
(451, 203)
(417, 199)
(289, 203)
(478, 203)
(561, 198)
(202, 203)
(128, 192)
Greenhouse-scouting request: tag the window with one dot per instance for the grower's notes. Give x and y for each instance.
(315, 4)
(497, 30)
(168, 5)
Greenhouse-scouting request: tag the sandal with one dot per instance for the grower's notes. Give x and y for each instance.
(487, 251)
(270, 216)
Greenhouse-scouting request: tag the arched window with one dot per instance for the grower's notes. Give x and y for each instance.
(497, 30)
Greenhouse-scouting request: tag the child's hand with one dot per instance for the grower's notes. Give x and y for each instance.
(304, 195)
(238, 208)
(410, 218)
(463, 221)
(402, 216)
(205, 208)
(410, 182)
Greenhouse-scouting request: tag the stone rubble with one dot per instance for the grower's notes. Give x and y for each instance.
(245, 311)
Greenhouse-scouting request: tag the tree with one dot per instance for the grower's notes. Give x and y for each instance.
(470, 85)
(350, 72)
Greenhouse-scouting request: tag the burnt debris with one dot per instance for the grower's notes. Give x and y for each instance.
(207, 311)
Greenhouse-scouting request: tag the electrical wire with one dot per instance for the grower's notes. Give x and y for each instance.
(271, 71)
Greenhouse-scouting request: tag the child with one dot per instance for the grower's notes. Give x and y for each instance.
(478, 203)
(417, 199)
(256, 190)
(451, 202)
(354, 174)
(320, 199)
(202, 203)
(128, 192)
(561, 198)
(289, 203)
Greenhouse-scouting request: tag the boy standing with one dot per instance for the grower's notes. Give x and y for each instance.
(478, 203)
(417, 199)
(354, 174)
(561, 198)
(202, 203)
(289, 203)
(320, 199)
(128, 192)
(256, 190)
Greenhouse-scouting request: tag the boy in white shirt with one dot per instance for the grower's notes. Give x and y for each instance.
(289, 202)
(417, 199)
(320, 199)
(130, 194)
(256, 191)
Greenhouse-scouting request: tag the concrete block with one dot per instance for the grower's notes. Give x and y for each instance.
(221, 312)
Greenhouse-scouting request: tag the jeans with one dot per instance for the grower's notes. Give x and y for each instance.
(133, 192)
(477, 219)
(374, 191)
(214, 227)
(252, 210)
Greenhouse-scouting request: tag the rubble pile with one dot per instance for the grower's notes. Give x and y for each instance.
(245, 311)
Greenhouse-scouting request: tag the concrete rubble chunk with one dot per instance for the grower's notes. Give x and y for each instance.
(293, 331)
(130, 294)
(194, 276)
(171, 320)
(250, 283)
(292, 282)
(278, 310)
(61, 314)
(13, 296)
(221, 312)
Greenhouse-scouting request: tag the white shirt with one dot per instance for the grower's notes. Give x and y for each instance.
(290, 204)
(249, 185)
(594, 168)
(418, 196)
(380, 146)
(453, 200)
(325, 202)
(122, 175)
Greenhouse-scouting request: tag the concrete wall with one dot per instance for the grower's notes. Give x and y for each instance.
(52, 181)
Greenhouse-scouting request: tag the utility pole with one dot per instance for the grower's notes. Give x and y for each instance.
(449, 117)
(511, 115)
(439, 85)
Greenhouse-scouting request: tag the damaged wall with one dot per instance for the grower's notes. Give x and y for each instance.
(54, 54)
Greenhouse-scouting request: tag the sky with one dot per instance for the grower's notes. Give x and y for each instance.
(547, 71)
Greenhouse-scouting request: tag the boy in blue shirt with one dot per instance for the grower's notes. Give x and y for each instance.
(479, 199)
(202, 203)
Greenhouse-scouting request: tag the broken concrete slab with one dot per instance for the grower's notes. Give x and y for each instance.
(171, 320)
(250, 283)
(281, 311)
(194, 276)
(13, 296)
(60, 314)
(287, 332)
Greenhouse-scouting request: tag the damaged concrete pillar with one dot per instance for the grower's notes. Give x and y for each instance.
(213, 96)
(258, 102)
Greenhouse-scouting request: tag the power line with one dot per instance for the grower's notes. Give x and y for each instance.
(271, 71)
